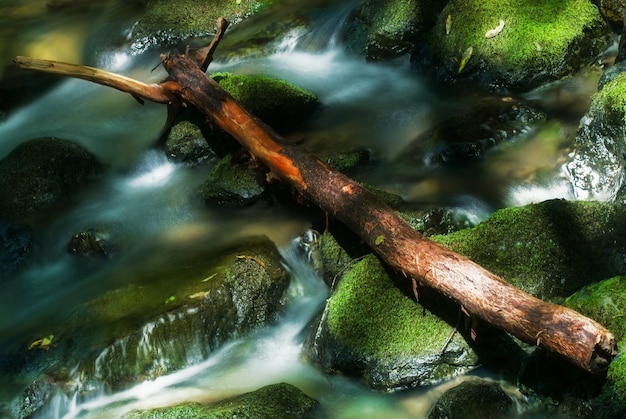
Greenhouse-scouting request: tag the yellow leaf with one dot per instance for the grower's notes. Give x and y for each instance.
(465, 58)
(448, 24)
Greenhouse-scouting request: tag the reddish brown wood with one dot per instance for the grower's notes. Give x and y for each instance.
(577, 338)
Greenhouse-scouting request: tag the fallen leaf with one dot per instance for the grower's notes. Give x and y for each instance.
(493, 32)
(448, 24)
(465, 58)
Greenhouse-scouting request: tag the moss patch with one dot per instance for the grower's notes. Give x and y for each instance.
(273, 401)
(369, 313)
(276, 102)
(540, 40)
(192, 17)
(549, 249)
(613, 96)
(605, 302)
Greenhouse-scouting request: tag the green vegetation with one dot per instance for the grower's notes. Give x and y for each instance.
(193, 16)
(539, 38)
(612, 96)
(605, 302)
(273, 401)
(276, 102)
(550, 249)
(368, 313)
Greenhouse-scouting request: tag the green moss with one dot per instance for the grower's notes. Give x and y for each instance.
(193, 16)
(617, 374)
(273, 401)
(370, 314)
(538, 36)
(605, 302)
(549, 249)
(613, 96)
(276, 102)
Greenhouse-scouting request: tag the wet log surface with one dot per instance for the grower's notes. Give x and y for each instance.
(563, 331)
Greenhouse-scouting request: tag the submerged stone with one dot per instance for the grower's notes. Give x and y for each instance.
(474, 399)
(550, 249)
(513, 45)
(167, 22)
(273, 401)
(232, 183)
(43, 174)
(372, 330)
(161, 321)
(384, 29)
(468, 135)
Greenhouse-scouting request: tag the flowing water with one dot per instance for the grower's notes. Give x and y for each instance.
(378, 106)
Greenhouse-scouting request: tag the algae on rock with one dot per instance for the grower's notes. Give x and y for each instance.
(371, 329)
(539, 42)
(550, 249)
(273, 401)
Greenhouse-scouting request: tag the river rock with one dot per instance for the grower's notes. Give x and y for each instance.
(471, 130)
(550, 249)
(168, 22)
(155, 324)
(280, 104)
(614, 11)
(384, 29)
(372, 330)
(274, 401)
(233, 183)
(596, 166)
(605, 302)
(43, 174)
(513, 45)
(474, 399)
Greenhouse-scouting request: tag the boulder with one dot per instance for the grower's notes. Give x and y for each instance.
(550, 249)
(168, 22)
(43, 174)
(372, 330)
(385, 29)
(513, 45)
(596, 166)
(154, 323)
(474, 399)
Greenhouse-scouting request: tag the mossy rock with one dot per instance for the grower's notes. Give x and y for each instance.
(597, 167)
(540, 41)
(43, 174)
(232, 183)
(186, 143)
(272, 401)
(604, 302)
(168, 22)
(280, 104)
(384, 29)
(474, 399)
(550, 249)
(166, 317)
(372, 330)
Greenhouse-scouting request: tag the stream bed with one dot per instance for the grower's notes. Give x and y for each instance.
(381, 107)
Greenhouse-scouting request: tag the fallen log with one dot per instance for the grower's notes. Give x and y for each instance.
(575, 337)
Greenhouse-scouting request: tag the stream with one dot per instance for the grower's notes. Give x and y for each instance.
(382, 107)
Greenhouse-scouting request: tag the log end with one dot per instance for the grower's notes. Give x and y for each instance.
(604, 351)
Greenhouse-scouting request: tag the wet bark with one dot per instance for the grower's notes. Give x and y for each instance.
(575, 337)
